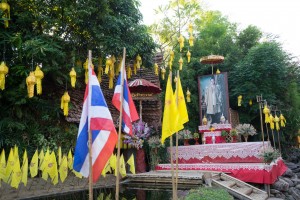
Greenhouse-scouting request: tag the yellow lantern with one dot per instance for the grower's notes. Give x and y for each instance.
(271, 121)
(190, 29)
(156, 69)
(240, 97)
(191, 40)
(39, 75)
(188, 54)
(282, 120)
(188, 96)
(180, 63)
(181, 42)
(250, 102)
(266, 111)
(276, 120)
(73, 77)
(30, 82)
(5, 8)
(3, 72)
(129, 72)
(163, 72)
(64, 105)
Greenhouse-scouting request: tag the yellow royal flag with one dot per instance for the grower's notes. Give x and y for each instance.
(113, 161)
(130, 162)
(41, 157)
(77, 174)
(44, 165)
(63, 169)
(16, 175)
(183, 113)
(24, 169)
(2, 165)
(59, 155)
(9, 166)
(122, 166)
(106, 169)
(34, 164)
(52, 168)
(171, 115)
(70, 160)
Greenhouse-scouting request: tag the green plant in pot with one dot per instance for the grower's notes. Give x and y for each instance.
(196, 137)
(269, 154)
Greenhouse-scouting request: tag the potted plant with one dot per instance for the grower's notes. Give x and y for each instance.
(233, 134)
(224, 135)
(269, 154)
(186, 135)
(196, 137)
(245, 130)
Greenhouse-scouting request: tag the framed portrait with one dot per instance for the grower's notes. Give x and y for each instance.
(213, 98)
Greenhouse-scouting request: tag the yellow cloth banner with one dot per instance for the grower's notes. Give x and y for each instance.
(183, 113)
(24, 169)
(34, 164)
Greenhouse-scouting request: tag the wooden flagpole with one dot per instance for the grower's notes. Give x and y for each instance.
(176, 153)
(120, 126)
(90, 143)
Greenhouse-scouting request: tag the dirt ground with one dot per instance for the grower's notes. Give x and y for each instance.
(37, 187)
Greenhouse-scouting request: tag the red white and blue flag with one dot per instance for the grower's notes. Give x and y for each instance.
(96, 118)
(129, 113)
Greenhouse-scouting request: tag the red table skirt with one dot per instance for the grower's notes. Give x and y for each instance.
(248, 172)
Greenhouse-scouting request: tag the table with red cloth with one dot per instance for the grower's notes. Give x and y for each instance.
(241, 152)
(248, 172)
(208, 133)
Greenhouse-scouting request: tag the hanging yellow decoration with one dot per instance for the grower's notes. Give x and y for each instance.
(271, 119)
(156, 69)
(171, 56)
(100, 63)
(266, 111)
(112, 67)
(119, 65)
(240, 97)
(181, 42)
(30, 82)
(190, 29)
(282, 120)
(5, 8)
(188, 54)
(188, 96)
(170, 64)
(138, 61)
(191, 40)
(134, 67)
(3, 72)
(73, 77)
(86, 74)
(64, 105)
(218, 71)
(111, 80)
(100, 73)
(250, 102)
(129, 72)
(39, 75)
(276, 120)
(180, 63)
(163, 72)
(107, 65)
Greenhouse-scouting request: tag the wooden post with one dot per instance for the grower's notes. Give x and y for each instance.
(172, 168)
(90, 144)
(120, 127)
(176, 153)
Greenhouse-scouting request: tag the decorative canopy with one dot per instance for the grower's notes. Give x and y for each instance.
(143, 86)
(212, 59)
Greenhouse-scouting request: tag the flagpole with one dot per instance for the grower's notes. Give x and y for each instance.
(176, 153)
(90, 144)
(120, 126)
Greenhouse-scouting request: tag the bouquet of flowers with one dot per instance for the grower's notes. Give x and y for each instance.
(185, 134)
(141, 131)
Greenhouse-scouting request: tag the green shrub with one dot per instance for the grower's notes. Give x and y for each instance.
(208, 194)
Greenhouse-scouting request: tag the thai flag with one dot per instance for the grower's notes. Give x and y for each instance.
(97, 118)
(129, 113)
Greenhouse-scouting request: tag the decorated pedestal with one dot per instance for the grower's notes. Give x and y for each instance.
(212, 133)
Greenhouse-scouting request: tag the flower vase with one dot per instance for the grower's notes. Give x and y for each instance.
(196, 141)
(246, 137)
(186, 142)
(140, 161)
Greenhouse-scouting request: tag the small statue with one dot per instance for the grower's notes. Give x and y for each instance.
(222, 119)
(204, 120)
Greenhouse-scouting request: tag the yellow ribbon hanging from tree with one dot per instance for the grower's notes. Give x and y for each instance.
(266, 111)
(163, 72)
(190, 29)
(191, 40)
(240, 97)
(64, 105)
(39, 75)
(30, 82)
(180, 63)
(188, 55)
(188, 96)
(282, 120)
(3, 72)
(73, 77)
(181, 42)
